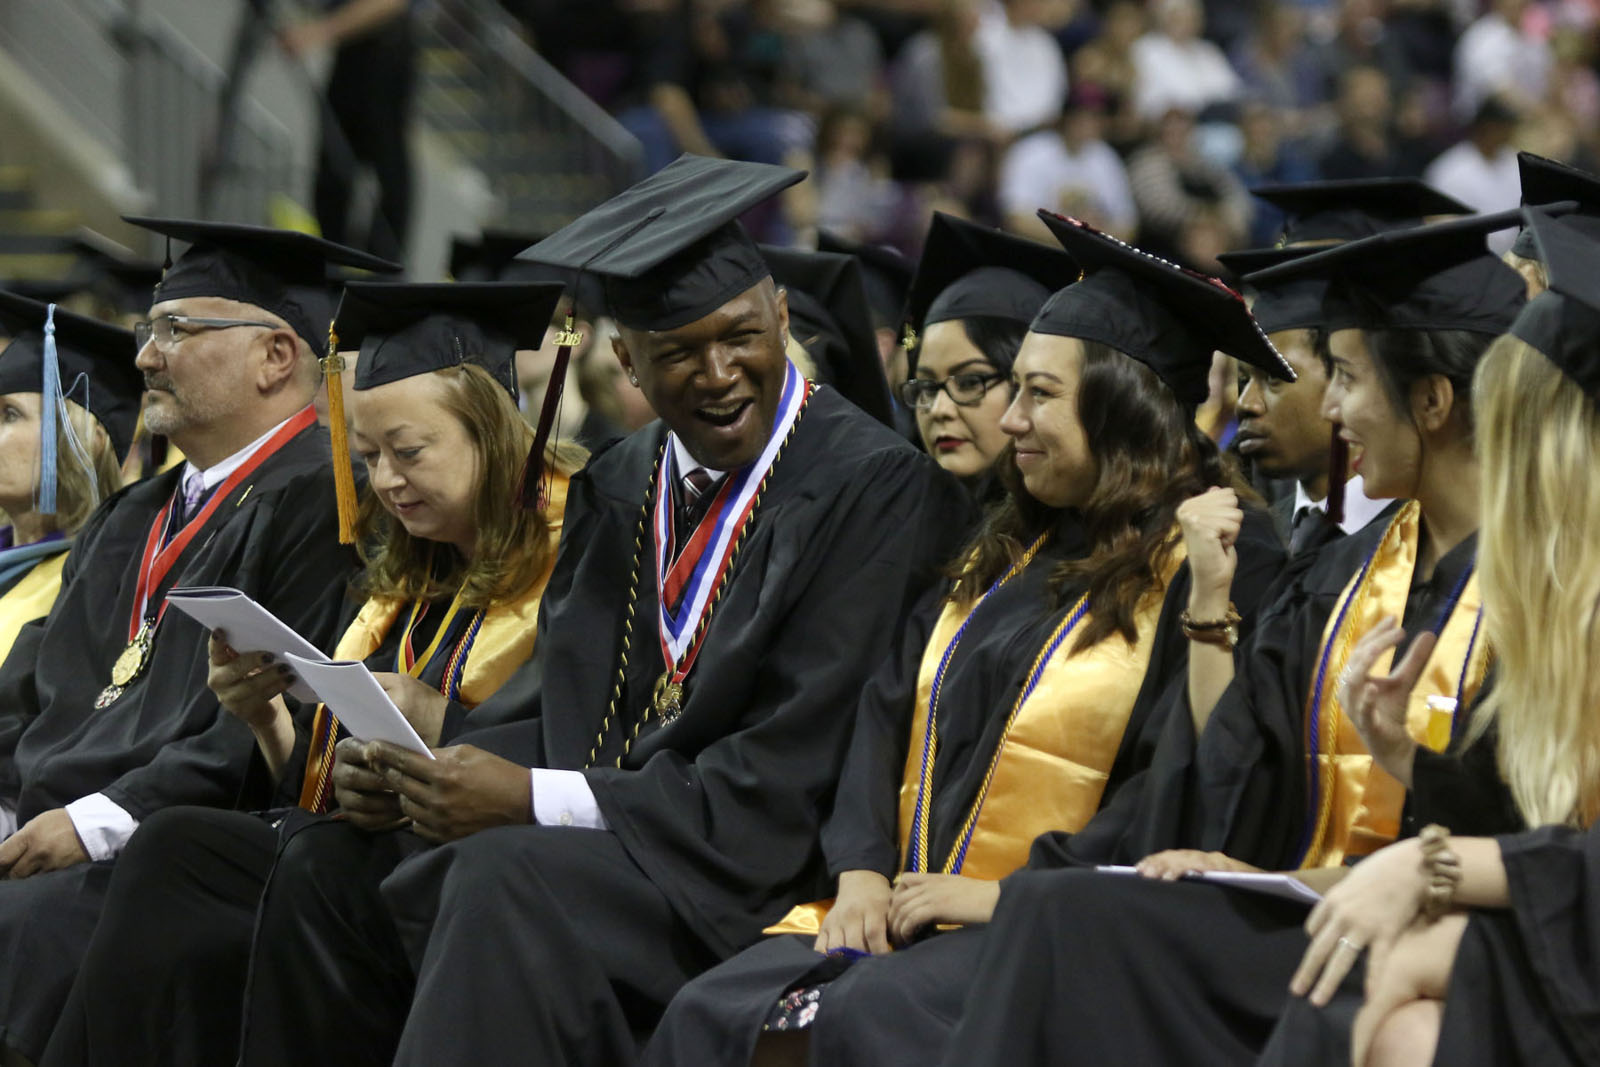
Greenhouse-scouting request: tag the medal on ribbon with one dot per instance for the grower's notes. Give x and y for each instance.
(158, 562)
(687, 589)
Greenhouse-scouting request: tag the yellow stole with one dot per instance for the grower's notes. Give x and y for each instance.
(31, 598)
(1050, 769)
(1356, 805)
(504, 642)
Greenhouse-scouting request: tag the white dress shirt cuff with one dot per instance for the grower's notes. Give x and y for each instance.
(102, 825)
(563, 798)
(8, 820)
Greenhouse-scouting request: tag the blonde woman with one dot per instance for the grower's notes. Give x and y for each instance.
(454, 572)
(1513, 979)
(69, 396)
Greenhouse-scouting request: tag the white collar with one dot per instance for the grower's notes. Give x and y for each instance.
(217, 473)
(1359, 509)
(687, 463)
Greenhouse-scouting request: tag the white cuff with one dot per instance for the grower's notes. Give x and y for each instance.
(102, 825)
(8, 820)
(563, 798)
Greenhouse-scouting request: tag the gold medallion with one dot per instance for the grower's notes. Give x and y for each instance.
(132, 662)
(668, 698)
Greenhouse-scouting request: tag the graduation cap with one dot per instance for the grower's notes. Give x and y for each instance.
(1563, 322)
(1348, 210)
(828, 314)
(1544, 181)
(886, 272)
(281, 271)
(670, 249)
(113, 272)
(406, 330)
(78, 358)
(1166, 317)
(972, 271)
(1436, 277)
(1295, 304)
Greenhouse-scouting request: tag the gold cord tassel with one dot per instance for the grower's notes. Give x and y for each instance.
(344, 475)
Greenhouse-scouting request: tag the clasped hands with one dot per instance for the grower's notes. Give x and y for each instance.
(870, 913)
(463, 789)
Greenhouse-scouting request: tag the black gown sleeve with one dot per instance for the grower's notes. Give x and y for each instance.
(1462, 790)
(861, 833)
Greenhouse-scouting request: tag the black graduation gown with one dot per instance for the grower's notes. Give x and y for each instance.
(166, 741)
(713, 820)
(899, 1008)
(173, 940)
(1157, 972)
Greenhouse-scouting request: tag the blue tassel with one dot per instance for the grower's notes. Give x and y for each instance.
(49, 409)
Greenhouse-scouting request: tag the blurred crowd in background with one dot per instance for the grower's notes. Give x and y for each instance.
(1149, 119)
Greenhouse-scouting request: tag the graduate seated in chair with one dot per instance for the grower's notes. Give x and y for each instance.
(974, 293)
(454, 569)
(1280, 772)
(104, 714)
(728, 580)
(57, 462)
(1028, 691)
(1478, 950)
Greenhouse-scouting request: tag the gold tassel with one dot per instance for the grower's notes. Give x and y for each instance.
(344, 475)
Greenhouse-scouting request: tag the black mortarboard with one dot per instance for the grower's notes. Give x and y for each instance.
(828, 315)
(85, 347)
(1295, 304)
(1348, 210)
(281, 271)
(406, 330)
(1544, 181)
(1166, 317)
(884, 270)
(1563, 322)
(1436, 277)
(113, 272)
(670, 249)
(972, 271)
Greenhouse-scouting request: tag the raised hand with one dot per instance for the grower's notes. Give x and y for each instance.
(1376, 705)
(1211, 523)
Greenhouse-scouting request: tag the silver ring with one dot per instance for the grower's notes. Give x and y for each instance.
(1345, 942)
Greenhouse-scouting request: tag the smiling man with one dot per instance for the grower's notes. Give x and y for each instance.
(728, 579)
(104, 713)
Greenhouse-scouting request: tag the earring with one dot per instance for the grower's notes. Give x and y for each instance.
(634, 379)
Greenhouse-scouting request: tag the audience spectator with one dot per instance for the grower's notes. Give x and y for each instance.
(1368, 145)
(1360, 38)
(835, 58)
(1174, 185)
(1071, 170)
(1107, 63)
(1498, 57)
(1024, 72)
(848, 180)
(937, 81)
(1275, 64)
(1267, 158)
(1481, 169)
(1177, 68)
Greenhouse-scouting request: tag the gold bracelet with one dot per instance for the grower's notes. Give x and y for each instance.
(1223, 631)
(1442, 869)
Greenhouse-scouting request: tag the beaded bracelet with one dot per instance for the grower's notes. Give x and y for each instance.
(1442, 868)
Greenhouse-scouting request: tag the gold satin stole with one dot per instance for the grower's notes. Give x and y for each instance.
(505, 641)
(1357, 803)
(31, 598)
(1053, 763)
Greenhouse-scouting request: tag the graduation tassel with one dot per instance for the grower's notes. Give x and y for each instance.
(49, 410)
(530, 493)
(1338, 472)
(344, 475)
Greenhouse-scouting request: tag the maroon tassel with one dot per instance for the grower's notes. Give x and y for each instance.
(530, 493)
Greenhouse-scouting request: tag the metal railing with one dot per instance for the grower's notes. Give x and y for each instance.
(138, 87)
(548, 152)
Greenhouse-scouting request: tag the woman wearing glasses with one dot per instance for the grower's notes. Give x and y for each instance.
(1023, 697)
(454, 571)
(67, 409)
(969, 305)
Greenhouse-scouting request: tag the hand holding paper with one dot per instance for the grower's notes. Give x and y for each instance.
(249, 626)
(354, 695)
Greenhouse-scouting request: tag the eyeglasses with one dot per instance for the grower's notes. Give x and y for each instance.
(168, 330)
(967, 390)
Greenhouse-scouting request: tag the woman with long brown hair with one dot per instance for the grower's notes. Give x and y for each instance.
(454, 569)
(1027, 692)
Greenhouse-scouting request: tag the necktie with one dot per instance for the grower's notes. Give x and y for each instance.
(194, 491)
(1311, 530)
(692, 504)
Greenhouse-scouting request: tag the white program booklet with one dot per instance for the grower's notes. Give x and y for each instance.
(354, 695)
(249, 626)
(1274, 885)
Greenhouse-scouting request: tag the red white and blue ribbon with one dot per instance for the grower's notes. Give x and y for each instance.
(686, 587)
